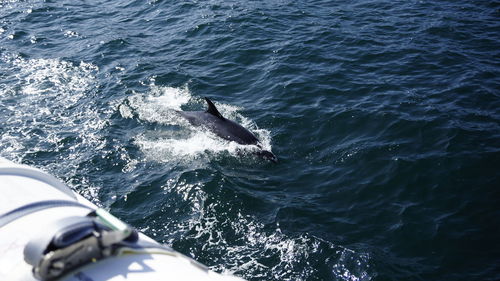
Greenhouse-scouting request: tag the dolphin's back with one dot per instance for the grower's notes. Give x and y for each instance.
(222, 127)
(233, 131)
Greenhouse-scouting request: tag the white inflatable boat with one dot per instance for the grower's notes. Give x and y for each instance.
(48, 232)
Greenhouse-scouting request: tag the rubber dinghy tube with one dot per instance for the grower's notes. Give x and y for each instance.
(48, 232)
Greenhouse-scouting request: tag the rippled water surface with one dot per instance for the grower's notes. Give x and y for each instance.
(384, 115)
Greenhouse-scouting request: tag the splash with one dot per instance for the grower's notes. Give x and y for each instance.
(178, 140)
(158, 105)
(265, 253)
(221, 235)
(47, 107)
(250, 249)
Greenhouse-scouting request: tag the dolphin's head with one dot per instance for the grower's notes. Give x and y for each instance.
(268, 155)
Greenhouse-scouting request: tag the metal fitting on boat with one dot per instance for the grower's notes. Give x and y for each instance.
(75, 241)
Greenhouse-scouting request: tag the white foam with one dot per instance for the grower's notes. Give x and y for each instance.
(71, 33)
(292, 253)
(159, 105)
(251, 249)
(251, 243)
(47, 101)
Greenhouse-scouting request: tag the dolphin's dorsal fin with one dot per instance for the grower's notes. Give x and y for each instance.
(212, 109)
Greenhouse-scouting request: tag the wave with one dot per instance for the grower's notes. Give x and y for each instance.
(48, 101)
(175, 139)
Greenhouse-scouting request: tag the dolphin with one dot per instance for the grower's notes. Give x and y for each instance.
(225, 128)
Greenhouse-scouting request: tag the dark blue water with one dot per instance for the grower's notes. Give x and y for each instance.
(385, 116)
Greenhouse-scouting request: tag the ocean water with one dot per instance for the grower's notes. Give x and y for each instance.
(385, 116)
